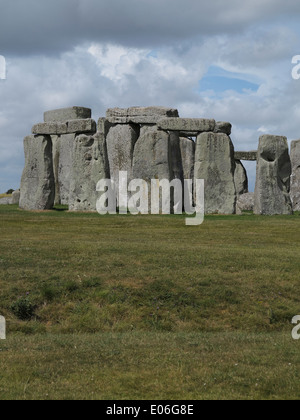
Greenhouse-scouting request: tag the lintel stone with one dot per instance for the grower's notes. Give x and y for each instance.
(198, 125)
(52, 128)
(67, 114)
(246, 155)
(139, 115)
(82, 126)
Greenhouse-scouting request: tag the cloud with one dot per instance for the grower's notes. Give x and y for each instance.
(50, 27)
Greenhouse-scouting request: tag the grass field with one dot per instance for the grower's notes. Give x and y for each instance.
(143, 307)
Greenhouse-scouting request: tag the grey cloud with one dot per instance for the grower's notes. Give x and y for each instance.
(45, 27)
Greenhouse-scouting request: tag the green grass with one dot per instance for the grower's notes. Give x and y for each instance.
(144, 307)
(139, 366)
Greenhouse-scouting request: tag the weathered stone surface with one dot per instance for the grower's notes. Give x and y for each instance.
(153, 160)
(62, 166)
(240, 178)
(90, 165)
(67, 114)
(50, 128)
(198, 125)
(146, 128)
(245, 202)
(187, 150)
(120, 142)
(251, 156)
(295, 178)
(214, 162)
(44, 128)
(139, 115)
(82, 126)
(152, 157)
(273, 177)
(103, 126)
(223, 127)
(55, 159)
(5, 201)
(15, 199)
(37, 183)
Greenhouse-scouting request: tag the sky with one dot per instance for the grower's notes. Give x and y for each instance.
(228, 60)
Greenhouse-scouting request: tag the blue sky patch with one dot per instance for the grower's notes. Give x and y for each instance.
(220, 80)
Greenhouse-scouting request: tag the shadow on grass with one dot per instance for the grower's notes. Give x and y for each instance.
(60, 208)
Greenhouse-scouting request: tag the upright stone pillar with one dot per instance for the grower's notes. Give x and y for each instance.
(120, 142)
(214, 162)
(62, 162)
(90, 165)
(152, 160)
(37, 183)
(240, 178)
(187, 149)
(295, 178)
(273, 177)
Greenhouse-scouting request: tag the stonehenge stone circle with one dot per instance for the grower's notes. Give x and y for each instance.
(295, 178)
(69, 153)
(273, 177)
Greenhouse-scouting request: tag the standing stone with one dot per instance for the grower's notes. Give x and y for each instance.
(37, 183)
(55, 158)
(15, 199)
(187, 150)
(273, 177)
(214, 162)
(153, 159)
(295, 179)
(240, 178)
(90, 165)
(62, 162)
(245, 202)
(120, 142)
